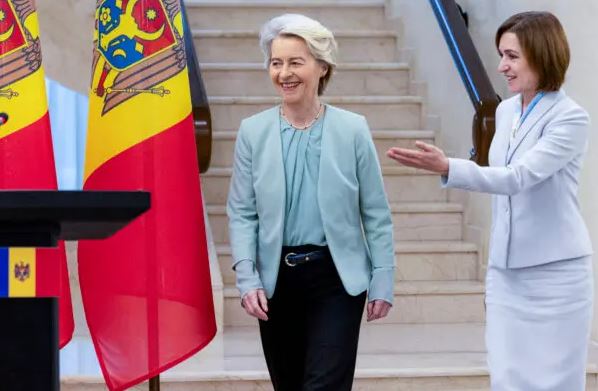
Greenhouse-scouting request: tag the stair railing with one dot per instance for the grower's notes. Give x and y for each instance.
(473, 74)
(202, 118)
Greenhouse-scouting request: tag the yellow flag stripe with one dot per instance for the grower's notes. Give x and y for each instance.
(21, 272)
(25, 99)
(134, 120)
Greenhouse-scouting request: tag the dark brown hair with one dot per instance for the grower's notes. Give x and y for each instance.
(544, 46)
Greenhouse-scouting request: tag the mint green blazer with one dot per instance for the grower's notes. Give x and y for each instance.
(352, 201)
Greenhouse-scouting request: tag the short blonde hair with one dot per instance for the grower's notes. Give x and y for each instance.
(319, 40)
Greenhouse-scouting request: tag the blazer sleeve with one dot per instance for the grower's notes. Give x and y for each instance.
(241, 205)
(562, 141)
(375, 217)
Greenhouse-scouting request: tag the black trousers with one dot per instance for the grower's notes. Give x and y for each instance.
(310, 338)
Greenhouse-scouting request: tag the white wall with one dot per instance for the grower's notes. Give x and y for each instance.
(432, 63)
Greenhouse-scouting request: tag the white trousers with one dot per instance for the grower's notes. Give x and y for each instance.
(538, 326)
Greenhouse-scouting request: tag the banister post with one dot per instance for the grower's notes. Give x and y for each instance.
(202, 118)
(483, 129)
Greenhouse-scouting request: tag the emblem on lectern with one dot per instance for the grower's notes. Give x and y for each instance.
(22, 271)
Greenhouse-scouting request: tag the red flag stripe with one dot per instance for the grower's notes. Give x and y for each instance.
(147, 290)
(27, 163)
(26, 158)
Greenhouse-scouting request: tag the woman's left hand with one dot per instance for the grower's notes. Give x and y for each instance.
(428, 157)
(378, 309)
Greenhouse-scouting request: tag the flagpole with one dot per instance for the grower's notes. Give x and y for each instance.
(154, 383)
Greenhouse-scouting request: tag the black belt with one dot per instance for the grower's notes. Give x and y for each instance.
(298, 255)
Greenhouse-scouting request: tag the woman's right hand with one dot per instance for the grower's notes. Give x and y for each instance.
(255, 303)
(426, 156)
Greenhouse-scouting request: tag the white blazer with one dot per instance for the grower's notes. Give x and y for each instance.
(534, 179)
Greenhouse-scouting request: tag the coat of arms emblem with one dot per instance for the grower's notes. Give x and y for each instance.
(22, 271)
(136, 48)
(20, 51)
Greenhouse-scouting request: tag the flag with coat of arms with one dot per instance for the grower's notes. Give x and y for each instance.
(27, 159)
(146, 290)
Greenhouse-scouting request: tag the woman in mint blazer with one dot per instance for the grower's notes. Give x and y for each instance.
(310, 226)
(539, 285)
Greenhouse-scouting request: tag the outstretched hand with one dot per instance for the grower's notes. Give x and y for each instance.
(427, 156)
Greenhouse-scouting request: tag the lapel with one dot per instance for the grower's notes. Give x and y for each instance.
(325, 158)
(271, 149)
(499, 148)
(548, 100)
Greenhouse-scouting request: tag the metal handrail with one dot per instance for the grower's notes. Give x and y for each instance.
(202, 117)
(473, 74)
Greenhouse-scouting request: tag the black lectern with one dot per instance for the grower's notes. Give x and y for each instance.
(29, 326)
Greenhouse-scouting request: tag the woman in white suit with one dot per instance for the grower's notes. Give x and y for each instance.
(539, 288)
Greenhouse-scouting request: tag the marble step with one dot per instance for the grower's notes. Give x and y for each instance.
(415, 302)
(436, 261)
(363, 15)
(375, 338)
(446, 372)
(409, 372)
(412, 221)
(244, 79)
(382, 112)
(228, 45)
(416, 261)
(424, 371)
(223, 144)
(402, 184)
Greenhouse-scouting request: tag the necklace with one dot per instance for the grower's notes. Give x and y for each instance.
(307, 125)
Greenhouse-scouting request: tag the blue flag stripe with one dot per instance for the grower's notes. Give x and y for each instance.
(3, 272)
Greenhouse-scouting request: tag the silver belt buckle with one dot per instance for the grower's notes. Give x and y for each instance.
(286, 260)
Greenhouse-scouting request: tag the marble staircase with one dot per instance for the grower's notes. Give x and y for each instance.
(437, 272)
(433, 338)
(437, 320)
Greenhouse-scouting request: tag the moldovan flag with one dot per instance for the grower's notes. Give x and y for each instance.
(27, 159)
(146, 291)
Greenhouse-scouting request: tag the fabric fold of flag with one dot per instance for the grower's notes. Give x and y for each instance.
(147, 290)
(27, 159)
